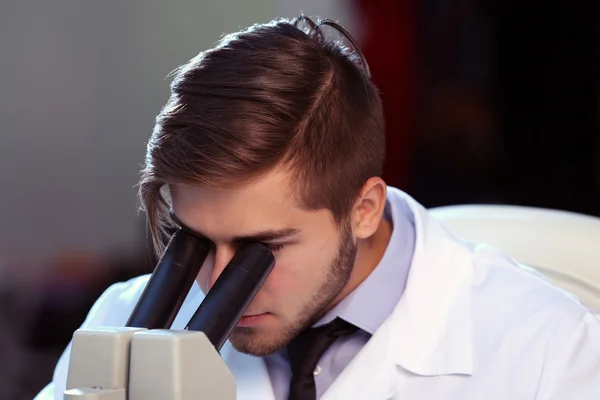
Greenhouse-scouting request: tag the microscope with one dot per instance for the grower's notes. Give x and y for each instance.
(145, 360)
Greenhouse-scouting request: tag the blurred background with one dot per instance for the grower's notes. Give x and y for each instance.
(486, 101)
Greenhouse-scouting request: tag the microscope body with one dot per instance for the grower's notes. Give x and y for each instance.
(140, 364)
(145, 360)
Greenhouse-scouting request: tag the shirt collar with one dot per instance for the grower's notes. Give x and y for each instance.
(365, 307)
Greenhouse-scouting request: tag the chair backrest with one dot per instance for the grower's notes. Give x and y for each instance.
(564, 246)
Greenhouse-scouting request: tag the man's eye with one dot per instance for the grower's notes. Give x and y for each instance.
(273, 247)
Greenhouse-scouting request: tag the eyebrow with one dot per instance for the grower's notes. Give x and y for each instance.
(268, 235)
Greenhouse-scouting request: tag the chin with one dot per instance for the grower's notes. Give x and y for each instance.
(256, 343)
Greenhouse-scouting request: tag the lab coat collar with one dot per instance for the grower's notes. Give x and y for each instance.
(431, 328)
(430, 331)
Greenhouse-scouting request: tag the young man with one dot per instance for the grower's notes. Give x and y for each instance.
(276, 135)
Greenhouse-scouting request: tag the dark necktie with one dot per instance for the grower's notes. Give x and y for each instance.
(305, 351)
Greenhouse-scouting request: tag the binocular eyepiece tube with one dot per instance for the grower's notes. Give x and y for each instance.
(170, 282)
(223, 305)
(231, 294)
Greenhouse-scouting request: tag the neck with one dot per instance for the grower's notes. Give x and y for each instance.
(369, 254)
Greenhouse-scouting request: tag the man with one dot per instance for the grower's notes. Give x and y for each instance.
(276, 136)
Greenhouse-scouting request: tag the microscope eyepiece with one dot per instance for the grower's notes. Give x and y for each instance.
(170, 282)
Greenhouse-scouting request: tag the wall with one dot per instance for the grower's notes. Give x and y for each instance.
(80, 85)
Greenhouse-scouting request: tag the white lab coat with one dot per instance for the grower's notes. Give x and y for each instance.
(471, 325)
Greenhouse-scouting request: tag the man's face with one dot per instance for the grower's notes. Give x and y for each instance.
(313, 262)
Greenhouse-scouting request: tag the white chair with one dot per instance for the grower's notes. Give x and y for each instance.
(562, 245)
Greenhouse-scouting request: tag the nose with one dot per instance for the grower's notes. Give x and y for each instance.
(222, 256)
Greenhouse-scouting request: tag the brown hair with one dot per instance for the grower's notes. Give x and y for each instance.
(276, 95)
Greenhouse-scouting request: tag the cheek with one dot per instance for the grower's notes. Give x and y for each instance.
(297, 272)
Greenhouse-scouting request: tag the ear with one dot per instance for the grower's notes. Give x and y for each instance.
(369, 207)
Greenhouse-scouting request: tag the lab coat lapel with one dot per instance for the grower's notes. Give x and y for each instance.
(251, 375)
(372, 374)
(429, 332)
(432, 325)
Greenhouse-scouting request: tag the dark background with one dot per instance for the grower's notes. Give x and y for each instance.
(486, 102)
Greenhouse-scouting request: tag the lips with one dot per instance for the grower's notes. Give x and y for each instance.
(251, 320)
(252, 315)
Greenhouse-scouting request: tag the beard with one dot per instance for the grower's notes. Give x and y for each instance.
(251, 341)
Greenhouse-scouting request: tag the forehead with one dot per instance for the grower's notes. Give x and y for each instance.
(219, 213)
